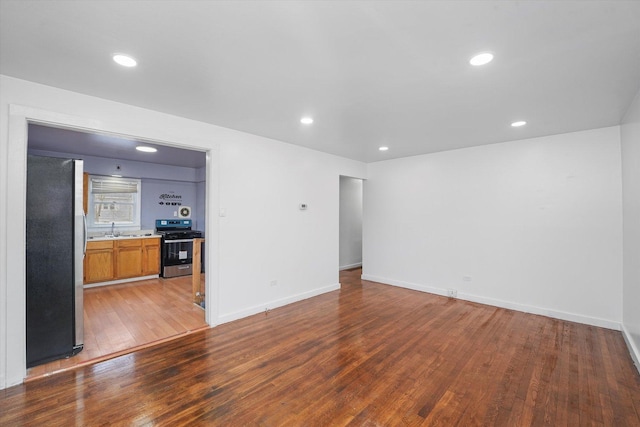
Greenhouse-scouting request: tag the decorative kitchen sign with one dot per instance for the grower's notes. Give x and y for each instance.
(170, 199)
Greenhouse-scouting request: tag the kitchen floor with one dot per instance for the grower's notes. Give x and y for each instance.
(119, 319)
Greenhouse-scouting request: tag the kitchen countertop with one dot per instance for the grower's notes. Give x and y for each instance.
(141, 234)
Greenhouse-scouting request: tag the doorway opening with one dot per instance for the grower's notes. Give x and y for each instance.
(124, 315)
(351, 208)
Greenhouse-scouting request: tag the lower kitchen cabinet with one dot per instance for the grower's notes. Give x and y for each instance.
(121, 259)
(128, 258)
(150, 256)
(99, 262)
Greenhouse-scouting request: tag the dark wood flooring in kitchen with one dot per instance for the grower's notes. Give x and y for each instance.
(367, 354)
(122, 318)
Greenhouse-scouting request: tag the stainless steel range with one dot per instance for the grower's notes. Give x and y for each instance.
(177, 246)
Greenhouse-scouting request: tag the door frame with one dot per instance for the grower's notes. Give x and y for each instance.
(341, 231)
(13, 344)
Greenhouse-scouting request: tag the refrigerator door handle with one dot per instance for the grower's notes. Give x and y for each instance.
(84, 223)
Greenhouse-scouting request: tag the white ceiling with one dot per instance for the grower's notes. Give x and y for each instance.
(371, 73)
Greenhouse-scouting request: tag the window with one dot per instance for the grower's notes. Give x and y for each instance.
(113, 201)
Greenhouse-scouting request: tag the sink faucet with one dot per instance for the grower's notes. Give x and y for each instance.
(113, 225)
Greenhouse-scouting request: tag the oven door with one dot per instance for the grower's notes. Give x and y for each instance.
(177, 256)
(176, 252)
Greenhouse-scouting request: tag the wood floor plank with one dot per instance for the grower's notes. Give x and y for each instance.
(128, 316)
(367, 354)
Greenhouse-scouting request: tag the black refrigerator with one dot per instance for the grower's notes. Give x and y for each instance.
(56, 242)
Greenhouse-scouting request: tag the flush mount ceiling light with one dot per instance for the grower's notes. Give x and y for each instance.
(124, 60)
(146, 149)
(306, 120)
(518, 123)
(383, 148)
(481, 59)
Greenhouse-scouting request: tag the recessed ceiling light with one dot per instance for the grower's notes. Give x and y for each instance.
(481, 59)
(146, 149)
(518, 123)
(383, 148)
(124, 60)
(306, 120)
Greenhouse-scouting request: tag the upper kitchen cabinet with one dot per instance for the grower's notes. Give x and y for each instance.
(85, 192)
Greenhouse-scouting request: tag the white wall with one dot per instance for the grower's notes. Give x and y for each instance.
(350, 222)
(265, 237)
(630, 137)
(258, 181)
(533, 225)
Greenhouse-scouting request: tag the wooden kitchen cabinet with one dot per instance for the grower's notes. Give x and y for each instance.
(85, 192)
(150, 256)
(99, 262)
(128, 258)
(108, 260)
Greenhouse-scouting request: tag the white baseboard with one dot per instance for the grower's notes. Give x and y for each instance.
(561, 315)
(225, 318)
(633, 348)
(347, 267)
(117, 282)
(407, 285)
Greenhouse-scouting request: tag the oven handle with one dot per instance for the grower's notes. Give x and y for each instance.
(179, 241)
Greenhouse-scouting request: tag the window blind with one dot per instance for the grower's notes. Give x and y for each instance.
(113, 200)
(113, 185)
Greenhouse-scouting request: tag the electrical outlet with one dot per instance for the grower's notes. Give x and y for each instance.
(452, 293)
(273, 283)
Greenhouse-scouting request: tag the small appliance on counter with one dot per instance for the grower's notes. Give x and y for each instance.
(177, 246)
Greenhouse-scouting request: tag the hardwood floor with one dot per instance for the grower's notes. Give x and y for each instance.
(121, 318)
(368, 354)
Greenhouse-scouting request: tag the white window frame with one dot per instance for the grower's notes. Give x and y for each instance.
(133, 222)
